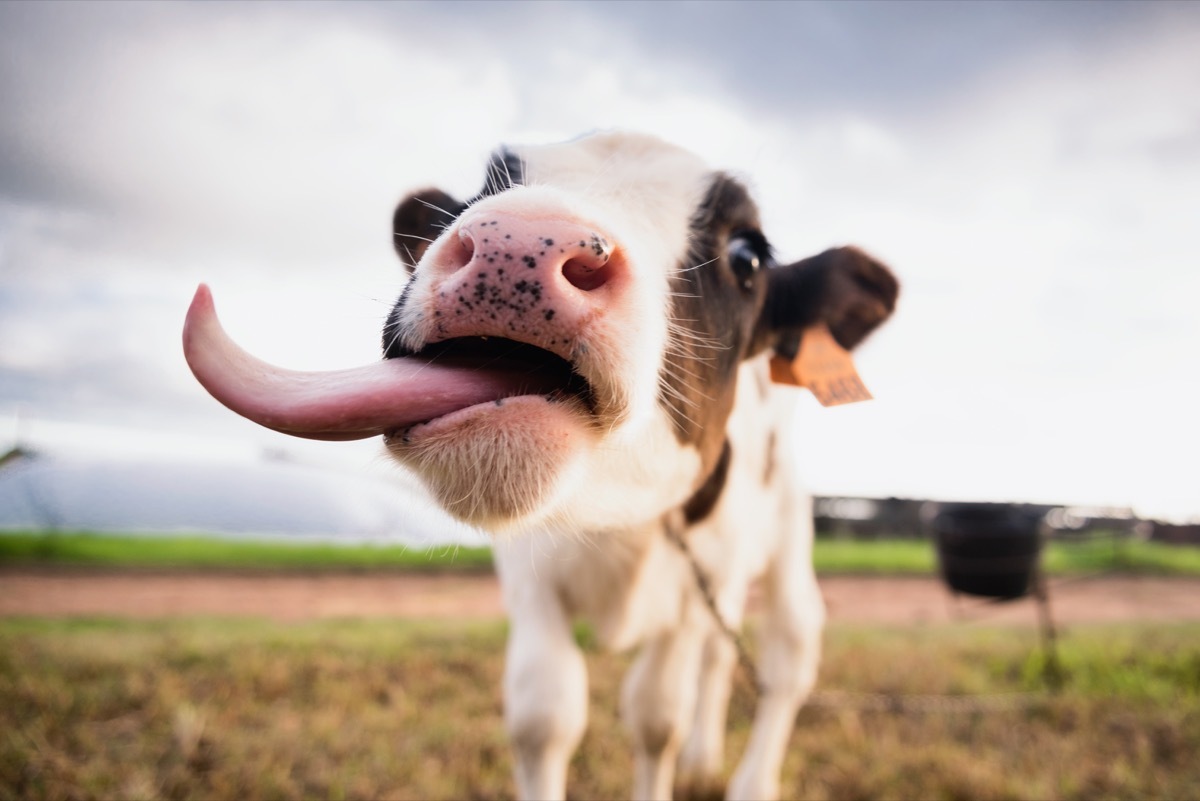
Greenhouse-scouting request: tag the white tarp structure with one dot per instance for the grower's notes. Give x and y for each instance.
(263, 498)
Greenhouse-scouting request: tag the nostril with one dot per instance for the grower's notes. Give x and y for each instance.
(586, 273)
(463, 250)
(589, 267)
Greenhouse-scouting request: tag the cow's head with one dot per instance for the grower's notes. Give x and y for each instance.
(569, 341)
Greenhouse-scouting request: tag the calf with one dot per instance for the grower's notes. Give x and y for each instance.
(580, 363)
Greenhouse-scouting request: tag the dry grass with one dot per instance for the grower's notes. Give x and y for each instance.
(355, 709)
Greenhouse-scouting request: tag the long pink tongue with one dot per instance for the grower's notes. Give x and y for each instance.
(338, 405)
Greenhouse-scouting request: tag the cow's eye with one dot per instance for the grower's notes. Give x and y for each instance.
(744, 259)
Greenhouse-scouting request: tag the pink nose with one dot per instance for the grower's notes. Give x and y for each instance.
(533, 278)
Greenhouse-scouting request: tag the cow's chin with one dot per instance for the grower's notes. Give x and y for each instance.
(498, 464)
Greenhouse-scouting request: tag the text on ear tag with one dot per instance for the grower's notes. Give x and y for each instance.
(824, 367)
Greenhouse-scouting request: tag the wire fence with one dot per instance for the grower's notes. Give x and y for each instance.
(838, 700)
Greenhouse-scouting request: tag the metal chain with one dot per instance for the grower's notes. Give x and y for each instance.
(674, 531)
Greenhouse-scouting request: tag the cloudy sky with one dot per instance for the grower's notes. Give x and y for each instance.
(1030, 170)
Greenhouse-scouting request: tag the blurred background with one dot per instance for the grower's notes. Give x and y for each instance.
(1031, 171)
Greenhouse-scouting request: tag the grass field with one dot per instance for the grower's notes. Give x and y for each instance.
(359, 709)
(199, 551)
(831, 556)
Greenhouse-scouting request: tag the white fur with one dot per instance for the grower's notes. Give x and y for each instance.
(637, 588)
(591, 543)
(641, 193)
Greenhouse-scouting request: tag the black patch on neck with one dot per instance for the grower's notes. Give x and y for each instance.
(704, 500)
(713, 321)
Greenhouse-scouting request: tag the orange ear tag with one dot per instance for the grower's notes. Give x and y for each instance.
(824, 367)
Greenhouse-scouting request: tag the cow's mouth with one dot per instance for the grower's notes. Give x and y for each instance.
(531, 370)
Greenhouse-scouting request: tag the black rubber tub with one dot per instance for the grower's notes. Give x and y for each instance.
(987, 549)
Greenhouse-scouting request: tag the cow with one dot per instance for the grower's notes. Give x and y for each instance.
(581, 364)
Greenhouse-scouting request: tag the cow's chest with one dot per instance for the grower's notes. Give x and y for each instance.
(632, 584)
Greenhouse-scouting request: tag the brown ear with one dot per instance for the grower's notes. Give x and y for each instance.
(844, 288)
(419, 219)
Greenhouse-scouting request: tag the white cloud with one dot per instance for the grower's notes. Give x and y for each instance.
(268, 133)
(1038, 209)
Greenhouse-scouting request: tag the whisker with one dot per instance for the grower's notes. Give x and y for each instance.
(412, 236)
(433, 206)
(672, 368)
(698, 266)
(691, 402)
(675, 393)
(412, 260)
(687, 334)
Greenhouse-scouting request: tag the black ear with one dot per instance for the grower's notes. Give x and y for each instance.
(419, 219)
(844, 288)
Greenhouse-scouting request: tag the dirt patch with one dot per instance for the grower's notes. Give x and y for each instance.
(850, 599)
(274, 596)
(1107, 599)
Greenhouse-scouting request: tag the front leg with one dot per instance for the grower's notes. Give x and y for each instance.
(545, 696)
(703, 756)
(789, 655)
(657, 703)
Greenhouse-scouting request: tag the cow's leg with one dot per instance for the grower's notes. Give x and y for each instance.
(657, 703)
(703, 755)
(790, 650)
(545, 696)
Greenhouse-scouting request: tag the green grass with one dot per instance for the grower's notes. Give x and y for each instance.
(201, 708)
(103, 550)
(874, 556)
(892, 557)
(1152, 558)
(917, 557)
